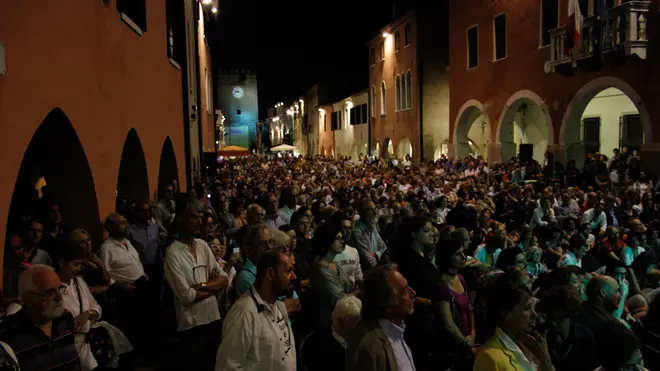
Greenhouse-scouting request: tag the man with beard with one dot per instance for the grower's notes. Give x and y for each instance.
(41, 333)
(195, 277)
(256, 334)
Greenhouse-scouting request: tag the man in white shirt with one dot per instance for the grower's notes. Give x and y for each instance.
(349, 259)
(596, 218)
(123, 263)
(195, 277)
(256, 333)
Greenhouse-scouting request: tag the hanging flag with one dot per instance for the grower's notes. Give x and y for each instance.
(574, 23)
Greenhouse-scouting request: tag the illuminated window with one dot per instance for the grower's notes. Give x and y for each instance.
(404, 100)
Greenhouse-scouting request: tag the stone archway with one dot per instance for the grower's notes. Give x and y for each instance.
(571, 135)
(388, 148)
(168, 169)
(472, 130)
(404, 148)
(55, 169)
(132, 180)
(525, 119)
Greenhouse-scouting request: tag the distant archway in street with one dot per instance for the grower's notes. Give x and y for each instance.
(168, 169)
(133, 180)
(404, 148)
(524, 120)
(388, 148)
(472, 130)
(55, 169)
(604, 114)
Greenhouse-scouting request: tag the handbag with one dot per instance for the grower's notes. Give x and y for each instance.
(98, 338)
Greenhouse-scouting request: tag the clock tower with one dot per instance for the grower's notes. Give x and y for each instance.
(237, 99)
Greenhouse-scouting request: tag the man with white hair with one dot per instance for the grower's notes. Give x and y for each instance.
(41, 333)
(326, 350)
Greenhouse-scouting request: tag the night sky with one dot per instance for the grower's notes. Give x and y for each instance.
(295, 44)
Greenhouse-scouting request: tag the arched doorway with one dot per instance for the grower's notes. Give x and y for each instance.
(525, 120)
(168, 170)
(323, 153)
(388, 148)
(132, 181)
(606, 113)
(377, 150)
(472, 130)
(404, 148)
(54, 169)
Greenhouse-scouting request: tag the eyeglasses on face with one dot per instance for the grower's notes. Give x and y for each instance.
(51, 294)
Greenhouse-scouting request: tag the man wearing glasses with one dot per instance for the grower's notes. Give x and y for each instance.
(41, 333)
(195, 278)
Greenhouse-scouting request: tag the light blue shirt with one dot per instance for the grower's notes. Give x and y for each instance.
(149, 238)
(404, 360)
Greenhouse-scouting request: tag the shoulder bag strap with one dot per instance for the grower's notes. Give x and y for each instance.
(80, 304)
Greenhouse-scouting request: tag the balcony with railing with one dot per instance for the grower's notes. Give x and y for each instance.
(623, 30)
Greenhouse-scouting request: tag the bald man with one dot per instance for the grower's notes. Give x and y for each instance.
(603, 295)
(41, 333)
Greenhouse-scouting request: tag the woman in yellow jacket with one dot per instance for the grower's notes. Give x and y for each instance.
(514, 346)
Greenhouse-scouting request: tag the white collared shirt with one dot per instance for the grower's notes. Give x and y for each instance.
(515, 349)
(72, 303)
(182, 271)
(123, 263)
(256, 341)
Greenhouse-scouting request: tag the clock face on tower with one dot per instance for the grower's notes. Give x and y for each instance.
(237, 92)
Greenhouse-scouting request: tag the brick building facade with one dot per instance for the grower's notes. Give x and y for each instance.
(510, 62)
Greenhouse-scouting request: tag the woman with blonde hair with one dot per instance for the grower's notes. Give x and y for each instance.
(94, 272)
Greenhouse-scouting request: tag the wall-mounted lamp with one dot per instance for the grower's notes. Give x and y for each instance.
(386, 35)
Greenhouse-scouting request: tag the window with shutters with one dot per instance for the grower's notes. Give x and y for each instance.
(549, 19)
(382, 51)
(333, 121)
(632, 132)
(354, 113)
(397, 92)
(325, 123)
(372, 57)
(406, 34)
(176, 32)
(397, 40)
(473, 47)
(365, 114)
(409, 89)
(134, 13)
(373, 101)
(499, 26)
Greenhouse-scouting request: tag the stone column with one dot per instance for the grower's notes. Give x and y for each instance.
(451, 150)
(559, 151)
(494, 152)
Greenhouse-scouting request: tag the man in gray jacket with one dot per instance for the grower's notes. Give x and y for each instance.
(377, 344)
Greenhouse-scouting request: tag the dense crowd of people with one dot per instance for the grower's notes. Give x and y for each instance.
(314, 264)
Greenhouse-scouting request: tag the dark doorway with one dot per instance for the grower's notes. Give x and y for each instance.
(133, 180)
(168, 169)
(55, 170)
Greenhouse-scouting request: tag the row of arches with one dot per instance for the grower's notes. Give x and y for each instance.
(55, 168)
(604, 114)
(403, 149)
